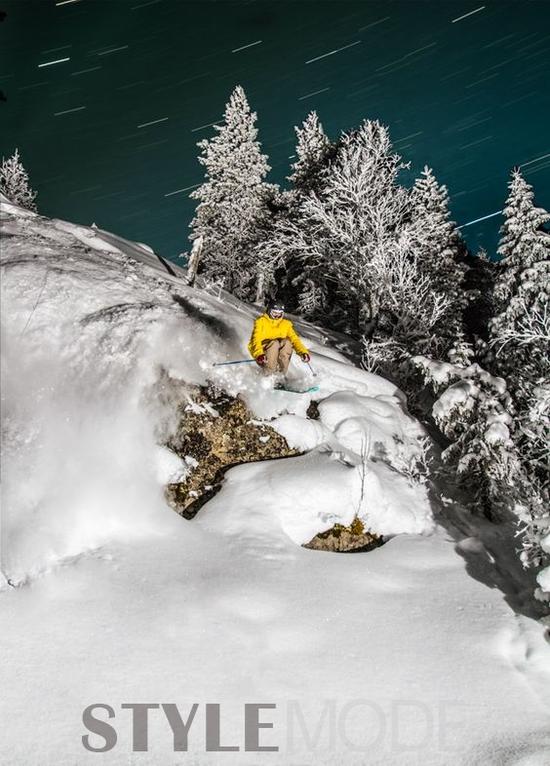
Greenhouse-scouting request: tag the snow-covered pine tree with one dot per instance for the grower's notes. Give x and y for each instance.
(520, 330)
(285, 271)
(475, 413)
(440, 250)
(522, 243)
(520, 333)
(233, 213)
(314, 150)
(478, 286)
(533, 511)
(14, 182)
(461, 353)
(532, 437)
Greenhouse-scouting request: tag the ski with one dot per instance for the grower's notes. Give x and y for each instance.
(309, 390)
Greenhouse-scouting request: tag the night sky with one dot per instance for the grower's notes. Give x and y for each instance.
(463, 85)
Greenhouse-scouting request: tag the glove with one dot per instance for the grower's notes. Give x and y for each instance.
(261, 360)
(305, 358)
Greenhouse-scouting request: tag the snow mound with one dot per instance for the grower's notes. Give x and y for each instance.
(90, 322)
(370, 448)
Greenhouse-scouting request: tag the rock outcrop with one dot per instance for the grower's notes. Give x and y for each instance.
(341, 539)
(217, 431)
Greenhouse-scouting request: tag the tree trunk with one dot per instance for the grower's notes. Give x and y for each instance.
(367, 315)
(260, 287)
(194, 260)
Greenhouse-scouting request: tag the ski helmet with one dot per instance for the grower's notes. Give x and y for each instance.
(276, 309)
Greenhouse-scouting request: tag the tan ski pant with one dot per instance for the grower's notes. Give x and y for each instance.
(277, 353)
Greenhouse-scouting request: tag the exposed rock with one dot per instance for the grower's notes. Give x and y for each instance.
(216, 432)
(313, 410)
(343, 539)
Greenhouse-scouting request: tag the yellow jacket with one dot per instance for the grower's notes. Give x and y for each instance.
(266, 328)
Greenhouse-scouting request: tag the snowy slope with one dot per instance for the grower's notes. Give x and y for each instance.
(119, 600)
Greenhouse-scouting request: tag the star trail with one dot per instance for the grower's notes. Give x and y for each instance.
(106, 100)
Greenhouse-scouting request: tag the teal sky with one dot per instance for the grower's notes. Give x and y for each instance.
(463, 87)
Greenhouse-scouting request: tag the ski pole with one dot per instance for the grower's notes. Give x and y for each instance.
(237, 361)
(312, 370)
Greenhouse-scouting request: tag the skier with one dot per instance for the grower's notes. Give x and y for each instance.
(273, 339)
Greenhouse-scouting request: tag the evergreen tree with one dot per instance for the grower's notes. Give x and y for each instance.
(520, 340)
(313, 151)
(521, 327)
(439, 248)
(534, 526)
(461, 353)
(522, 243)
(285, 274)
(479, 286)
(233, 213)
(475, 412)
(14, 182)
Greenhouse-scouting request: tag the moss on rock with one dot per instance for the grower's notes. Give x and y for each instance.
(342, 539)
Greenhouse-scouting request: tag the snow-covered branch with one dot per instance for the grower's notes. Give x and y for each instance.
(532, 326)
